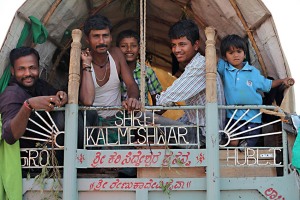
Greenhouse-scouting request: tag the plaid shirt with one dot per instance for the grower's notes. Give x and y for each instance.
(153, 85)
(190, 87)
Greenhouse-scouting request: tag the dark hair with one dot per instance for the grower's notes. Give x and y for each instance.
(127, 34)
(186, 28)
(21, 52)
(232, 41)
(96, 22)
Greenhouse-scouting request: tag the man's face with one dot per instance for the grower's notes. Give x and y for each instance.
(130, 48)
(99, 40)
(26, 70)
(183, 49)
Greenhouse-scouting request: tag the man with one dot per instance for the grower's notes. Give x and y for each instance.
(25, 93)
(103, 66)
(190, 86)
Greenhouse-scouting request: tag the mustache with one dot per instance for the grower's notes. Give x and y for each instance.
(27, 77)
(101, 45)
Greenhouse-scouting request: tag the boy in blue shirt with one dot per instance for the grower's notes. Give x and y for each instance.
(242, 86)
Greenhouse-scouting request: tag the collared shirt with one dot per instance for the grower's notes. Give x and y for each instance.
(243, 87)
(152, 86)
(11, 101)
(190, 87)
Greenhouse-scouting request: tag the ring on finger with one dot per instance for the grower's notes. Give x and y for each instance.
(50, 104)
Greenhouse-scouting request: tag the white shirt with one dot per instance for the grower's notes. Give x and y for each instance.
(190, 87)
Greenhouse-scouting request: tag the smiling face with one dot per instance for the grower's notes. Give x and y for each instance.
(235, 56)
(26, 70)
(130, 48)
(183, 49)
(99, 40)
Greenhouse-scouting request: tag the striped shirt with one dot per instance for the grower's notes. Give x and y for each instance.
(190, 87)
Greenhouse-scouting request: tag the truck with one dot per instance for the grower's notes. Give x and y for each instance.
(164, 170)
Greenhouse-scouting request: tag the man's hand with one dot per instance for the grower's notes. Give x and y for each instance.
(48, 102)
(131, 104)
(63, 97)
(86, 58)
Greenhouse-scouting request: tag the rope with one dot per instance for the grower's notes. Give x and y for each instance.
(143, 50)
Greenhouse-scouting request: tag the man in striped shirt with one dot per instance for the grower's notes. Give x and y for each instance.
(190, 86)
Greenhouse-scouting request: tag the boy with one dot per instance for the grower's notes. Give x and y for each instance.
(129, 43)
(242, 84)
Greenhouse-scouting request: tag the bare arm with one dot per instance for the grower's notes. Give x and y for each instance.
(87, 88)
(132, 103)
(18, 123)
(287, 82)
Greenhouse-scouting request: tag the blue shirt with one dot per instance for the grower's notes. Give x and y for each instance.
(243, 87)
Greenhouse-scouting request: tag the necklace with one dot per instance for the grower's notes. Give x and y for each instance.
(104, 64)
(100, 80)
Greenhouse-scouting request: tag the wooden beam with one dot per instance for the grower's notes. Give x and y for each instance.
(260, 21)
(97, 9)
(250, 35)
(50, 12)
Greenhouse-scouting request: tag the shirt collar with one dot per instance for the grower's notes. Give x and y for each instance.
(194, 59)
(137, 67)
(246, 67)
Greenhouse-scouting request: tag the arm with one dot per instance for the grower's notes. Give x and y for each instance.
(132, 102)
(190, 83)
(87, 88)
(17, 114)
(286, 81)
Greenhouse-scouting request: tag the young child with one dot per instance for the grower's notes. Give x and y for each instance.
(242, 86)
(129, 43)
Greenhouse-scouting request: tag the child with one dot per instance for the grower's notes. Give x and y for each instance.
(242, 84)
(129, 43)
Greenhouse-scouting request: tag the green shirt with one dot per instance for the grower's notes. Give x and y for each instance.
(153, 85)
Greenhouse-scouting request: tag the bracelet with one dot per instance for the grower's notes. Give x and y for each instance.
(88, 69)
(27, 105)
(89, 65)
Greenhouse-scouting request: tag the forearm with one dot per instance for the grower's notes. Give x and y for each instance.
(286, 81)
(19, 123)
(133, 91)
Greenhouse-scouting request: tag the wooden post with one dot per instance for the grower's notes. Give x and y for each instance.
(211, 63)
(74, 71)
(70, 190)
(211, 115)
